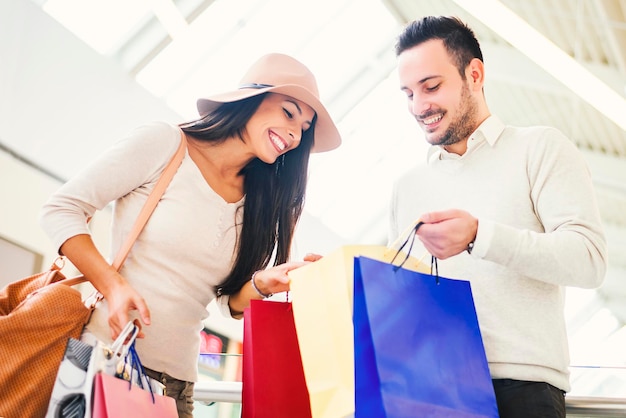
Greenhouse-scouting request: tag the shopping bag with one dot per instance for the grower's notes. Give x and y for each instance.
(86, 357)
(71, 394)
(322, 309)
(114, 398)
(418, 346)
(273, 384)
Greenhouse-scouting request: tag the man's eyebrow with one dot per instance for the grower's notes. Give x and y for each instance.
(429, 77)
(422, 81)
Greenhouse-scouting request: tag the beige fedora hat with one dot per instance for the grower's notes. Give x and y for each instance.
(280, 73)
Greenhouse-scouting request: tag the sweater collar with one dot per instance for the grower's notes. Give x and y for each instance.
(489, 131)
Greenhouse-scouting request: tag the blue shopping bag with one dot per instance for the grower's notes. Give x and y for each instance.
(417, 346)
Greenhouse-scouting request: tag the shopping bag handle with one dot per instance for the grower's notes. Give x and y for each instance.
(124, 348)
(124, 341)
(410, 237)
(142, 376)
(410, 233)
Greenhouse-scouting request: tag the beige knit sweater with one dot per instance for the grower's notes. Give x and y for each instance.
(539, 231)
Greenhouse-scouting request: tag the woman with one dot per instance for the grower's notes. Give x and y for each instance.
(230, 210)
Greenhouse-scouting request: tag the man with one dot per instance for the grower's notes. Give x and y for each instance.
(510, 209)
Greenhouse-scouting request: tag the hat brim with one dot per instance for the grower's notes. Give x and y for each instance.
(327, 135)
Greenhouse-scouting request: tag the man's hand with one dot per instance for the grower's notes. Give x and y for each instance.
(447, 233)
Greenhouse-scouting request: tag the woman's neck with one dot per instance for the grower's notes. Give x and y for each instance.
(221, 165)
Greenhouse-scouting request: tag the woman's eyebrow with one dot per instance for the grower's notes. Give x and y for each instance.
(299, 109)
(296, 105)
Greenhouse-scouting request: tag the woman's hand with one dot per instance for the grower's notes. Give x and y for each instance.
(276, 279)
(120, 295)
(122, 299)
(312, 257)
(269, 281)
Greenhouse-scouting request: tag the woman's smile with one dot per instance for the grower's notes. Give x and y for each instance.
(279, 143)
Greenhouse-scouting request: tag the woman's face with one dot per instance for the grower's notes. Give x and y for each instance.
(277, 125)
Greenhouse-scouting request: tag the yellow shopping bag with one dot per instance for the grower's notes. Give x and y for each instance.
(322, 307)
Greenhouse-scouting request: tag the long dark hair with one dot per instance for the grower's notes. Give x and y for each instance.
(458, 38)
(274, 192)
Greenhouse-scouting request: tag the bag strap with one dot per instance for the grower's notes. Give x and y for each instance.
(152, 201)
(147, 209)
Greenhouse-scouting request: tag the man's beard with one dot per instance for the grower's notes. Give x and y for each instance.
(464, 124)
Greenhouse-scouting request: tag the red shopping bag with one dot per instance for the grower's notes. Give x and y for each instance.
(273, 377)
(114, 398)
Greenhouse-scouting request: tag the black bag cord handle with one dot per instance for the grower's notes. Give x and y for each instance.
(410, 239)
(433, 263)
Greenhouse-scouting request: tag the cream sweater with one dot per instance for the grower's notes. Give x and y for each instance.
(185, 249)
(539, 230)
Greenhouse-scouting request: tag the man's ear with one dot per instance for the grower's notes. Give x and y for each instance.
(476, 73)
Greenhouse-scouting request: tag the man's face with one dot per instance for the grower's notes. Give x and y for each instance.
(438, 97)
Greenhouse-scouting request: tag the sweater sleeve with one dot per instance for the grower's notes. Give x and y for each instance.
(132, 164)
(571, 250)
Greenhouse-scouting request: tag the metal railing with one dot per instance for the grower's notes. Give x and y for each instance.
(595, 407)
(576, 406)
(217, 391)
(606, 384)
